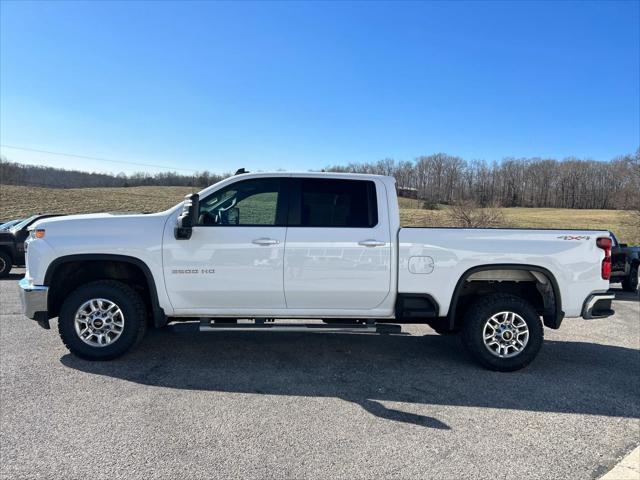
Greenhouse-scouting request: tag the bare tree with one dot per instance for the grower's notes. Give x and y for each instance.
(468, 214)
(436, 179)
(515, 182)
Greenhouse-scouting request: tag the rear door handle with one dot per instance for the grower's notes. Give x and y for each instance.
(371, 243)
(265, 241)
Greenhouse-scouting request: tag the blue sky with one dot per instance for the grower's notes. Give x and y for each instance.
(298, 86)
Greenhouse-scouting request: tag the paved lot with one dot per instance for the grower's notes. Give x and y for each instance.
(264, 405)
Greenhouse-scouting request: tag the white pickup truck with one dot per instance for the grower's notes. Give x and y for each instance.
(255, 249)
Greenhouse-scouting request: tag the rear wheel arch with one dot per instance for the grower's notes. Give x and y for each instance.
(549, 292)
(83, 268)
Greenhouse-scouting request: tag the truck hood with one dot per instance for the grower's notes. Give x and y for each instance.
(84, 216)
(103, 225)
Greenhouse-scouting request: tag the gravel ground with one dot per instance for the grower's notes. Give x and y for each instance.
(276, 405)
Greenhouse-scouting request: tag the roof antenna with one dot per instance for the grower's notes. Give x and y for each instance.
(240, 171)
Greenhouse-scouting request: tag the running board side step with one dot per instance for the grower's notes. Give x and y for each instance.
(208, 326)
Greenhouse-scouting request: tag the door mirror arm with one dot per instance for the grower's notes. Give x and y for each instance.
(188, 217)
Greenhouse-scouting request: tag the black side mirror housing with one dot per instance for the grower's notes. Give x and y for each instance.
(188, 217)
(623, 245)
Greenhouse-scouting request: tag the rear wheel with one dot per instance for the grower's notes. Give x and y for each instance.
(5, 264)
(630, 283)
(102, 320)
(503, 332)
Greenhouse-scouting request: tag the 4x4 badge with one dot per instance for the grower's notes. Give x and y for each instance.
(574, 237)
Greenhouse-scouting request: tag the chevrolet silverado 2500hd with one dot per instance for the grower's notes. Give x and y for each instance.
(266, 247)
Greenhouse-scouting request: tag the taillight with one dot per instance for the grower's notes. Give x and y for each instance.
(605, 244)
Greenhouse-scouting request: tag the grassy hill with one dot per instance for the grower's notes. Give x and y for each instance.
(18, 201)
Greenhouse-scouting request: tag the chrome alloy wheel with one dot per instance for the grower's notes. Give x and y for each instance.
(3, 264)
(99, 322)
(505, 334)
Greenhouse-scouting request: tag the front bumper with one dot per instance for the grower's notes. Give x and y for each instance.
(34, 301)
(598, 305)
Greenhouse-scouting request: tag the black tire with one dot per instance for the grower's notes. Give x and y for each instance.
(5, 264)
(473, 331)
(630, 282)
(131, 306)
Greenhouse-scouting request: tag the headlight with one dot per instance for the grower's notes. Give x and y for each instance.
(36, 233)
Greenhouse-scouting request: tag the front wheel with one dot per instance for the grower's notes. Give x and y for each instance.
(102, 320)
(630, 283)
(503, 332)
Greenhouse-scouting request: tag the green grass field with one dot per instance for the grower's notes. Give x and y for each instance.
(23, 201)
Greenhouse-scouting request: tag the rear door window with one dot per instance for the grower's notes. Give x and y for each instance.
(333, 203)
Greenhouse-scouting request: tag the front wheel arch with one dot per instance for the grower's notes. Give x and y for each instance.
(98, 264)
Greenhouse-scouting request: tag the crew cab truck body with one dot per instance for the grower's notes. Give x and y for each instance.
(308, 246)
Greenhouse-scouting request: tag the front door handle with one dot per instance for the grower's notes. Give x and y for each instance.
(371, 243)
(265, 241)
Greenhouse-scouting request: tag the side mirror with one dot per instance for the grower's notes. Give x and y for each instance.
(188, 217)
(623, 245)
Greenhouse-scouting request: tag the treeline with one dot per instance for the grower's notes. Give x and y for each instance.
(439, 178)
(12, 173)
(515, 182)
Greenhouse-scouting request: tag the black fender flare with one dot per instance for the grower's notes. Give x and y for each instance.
(551, 321)
(159, 317)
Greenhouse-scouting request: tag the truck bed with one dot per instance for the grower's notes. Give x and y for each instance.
(434, 260)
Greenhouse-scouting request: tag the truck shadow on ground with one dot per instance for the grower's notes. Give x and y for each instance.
(567, 377)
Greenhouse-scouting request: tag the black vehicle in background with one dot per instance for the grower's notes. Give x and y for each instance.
(625, 261)
(12, 243)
